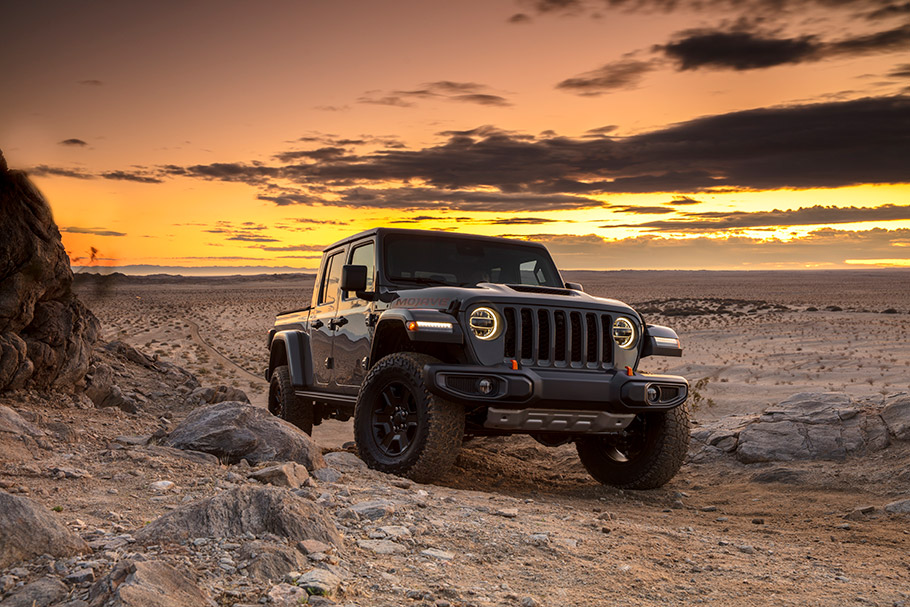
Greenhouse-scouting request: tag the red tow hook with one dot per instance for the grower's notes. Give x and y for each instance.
(629, 371)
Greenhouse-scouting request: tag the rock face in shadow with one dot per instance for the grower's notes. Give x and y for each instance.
(806, 426)
(28, 529)
(233, 431)
(253, 510)
(46, 334)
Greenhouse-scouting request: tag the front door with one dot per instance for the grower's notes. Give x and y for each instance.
(354, 326)
(322, 316)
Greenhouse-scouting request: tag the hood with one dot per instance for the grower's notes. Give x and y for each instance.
(441, 297)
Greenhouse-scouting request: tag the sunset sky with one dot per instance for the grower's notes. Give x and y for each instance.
(645, 134)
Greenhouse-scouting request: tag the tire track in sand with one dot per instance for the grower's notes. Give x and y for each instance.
(197, 337)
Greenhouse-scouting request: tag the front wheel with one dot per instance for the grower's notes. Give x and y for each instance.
(400, 427)
(284, 403)
(647, 454)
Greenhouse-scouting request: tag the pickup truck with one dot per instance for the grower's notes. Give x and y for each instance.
(429, 338)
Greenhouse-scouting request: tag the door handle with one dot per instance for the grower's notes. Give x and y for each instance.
(317, 324)
(338, 322)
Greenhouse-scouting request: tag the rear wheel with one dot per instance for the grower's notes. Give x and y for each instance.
(285, 404)
(647, 454)
(400, 427)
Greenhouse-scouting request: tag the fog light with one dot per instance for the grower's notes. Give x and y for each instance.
(484, 386)
(653, 394)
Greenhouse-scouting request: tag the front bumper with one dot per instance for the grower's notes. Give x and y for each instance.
(555, 389)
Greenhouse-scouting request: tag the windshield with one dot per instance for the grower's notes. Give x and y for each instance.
(463, 262)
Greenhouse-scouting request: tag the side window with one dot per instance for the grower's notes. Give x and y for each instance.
(365, 255)
(331, 278)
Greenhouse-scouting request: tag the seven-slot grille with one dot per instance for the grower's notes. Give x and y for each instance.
(548, 337)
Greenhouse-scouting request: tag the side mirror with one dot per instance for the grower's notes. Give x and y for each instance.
(353, 278)
(574, 285)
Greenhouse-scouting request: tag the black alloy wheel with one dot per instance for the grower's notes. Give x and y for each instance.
(394, 419)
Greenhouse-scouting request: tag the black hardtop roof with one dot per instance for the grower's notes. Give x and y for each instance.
(435, 234)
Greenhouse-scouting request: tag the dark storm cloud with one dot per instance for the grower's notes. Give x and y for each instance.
(643, 210)
(765, 8)
(91, 82)
(42, 170)
(125, 176)
(293, 247)
(824, 247)
(822, 145)
(519, 18)
(622, 74)
(602, 130)
(889, 10)
(737, 50)
(319, 154)
(683, 200)
(93, 231)
(448, 90)
(421, 198)
(901, 71)
(74, 143)
(715, 221)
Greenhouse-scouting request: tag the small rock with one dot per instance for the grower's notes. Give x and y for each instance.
(507, 512)
(320, 582)
(162, 486)
(528, 602)
(289, 474)
(327, 475)
(80, 576)
(373, 509)
(541, 539)
(442, 555)
(395, 531)
(746, 549)
(342, 460)
(381, 546)
(709, 509)
(758, 521)
(313, 546)
(287, 595)
(860, 513)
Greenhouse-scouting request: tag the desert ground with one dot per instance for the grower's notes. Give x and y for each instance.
(514, 523)
(750, 338)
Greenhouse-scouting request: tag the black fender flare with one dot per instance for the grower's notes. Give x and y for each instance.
(399, 318)
(294, 347)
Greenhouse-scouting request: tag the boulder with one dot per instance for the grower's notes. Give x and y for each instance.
(12, 422)
(40, 593)
(212, 396)
(28, 529)
(254, 510)
(233, 431)
(46, 334)
(897, 417)
(138, 583)
(811, 426)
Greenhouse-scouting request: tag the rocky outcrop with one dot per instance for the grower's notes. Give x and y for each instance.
(806, 426)
(233, 431)
(246, 510)
(28, 529)
(140, 583)
(46, 334)
(897, 416)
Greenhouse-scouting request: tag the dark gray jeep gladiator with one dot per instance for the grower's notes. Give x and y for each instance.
(429, 338)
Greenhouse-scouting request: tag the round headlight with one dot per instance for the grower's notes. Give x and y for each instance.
(485, 323)
(623, 333)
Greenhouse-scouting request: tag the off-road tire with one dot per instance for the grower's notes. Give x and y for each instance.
(432, 427)
(655, 456)
(285, 404)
